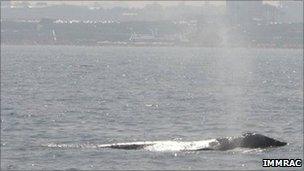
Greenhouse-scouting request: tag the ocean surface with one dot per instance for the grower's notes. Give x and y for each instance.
(86, 96)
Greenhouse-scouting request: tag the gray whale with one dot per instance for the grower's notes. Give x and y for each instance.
(247, 140)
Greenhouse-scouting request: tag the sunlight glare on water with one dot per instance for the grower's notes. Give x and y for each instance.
(87, 96)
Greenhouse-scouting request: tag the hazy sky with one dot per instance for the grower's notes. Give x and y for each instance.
(109, 4)
(128, 3)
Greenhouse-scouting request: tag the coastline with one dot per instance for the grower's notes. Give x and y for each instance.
(152, 45)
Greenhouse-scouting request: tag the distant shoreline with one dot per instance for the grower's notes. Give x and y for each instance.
(155, 45)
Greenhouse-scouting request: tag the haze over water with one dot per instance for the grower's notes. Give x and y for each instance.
(97, 95)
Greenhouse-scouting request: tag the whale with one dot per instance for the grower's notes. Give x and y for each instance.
(247, 140)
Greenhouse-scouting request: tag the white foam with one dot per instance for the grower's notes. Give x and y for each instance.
(150, 145)
(126, 144)
(178, 145)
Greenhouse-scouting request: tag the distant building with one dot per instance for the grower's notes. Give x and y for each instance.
(292, 11)
(244, 11)
(255, 11)
(6, 4)
(40, 4)
(153, 12)
(21, 4)
(271, 13)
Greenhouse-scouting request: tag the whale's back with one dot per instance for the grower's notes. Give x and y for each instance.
(253, 140)
(248, 140)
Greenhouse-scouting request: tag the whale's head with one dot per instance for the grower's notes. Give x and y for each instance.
(253, 140)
